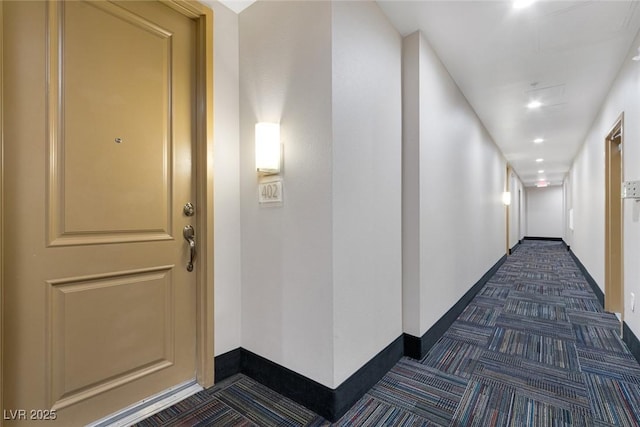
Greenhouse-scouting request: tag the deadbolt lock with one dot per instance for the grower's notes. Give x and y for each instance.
(189, 210)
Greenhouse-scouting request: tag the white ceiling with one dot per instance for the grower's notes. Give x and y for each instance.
(564, 53)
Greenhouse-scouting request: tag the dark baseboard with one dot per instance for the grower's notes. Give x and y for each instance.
(311, 394)
(351, 390)
(417, 348)
(553, 239)
(227, 364)
(333, 404)
(327, 402)
(515, 247)
(594, 286)
(412, 346)
(631, 340)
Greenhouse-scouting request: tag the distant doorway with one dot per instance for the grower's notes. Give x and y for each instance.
(614, 277)
(508, 212)
(519, 214)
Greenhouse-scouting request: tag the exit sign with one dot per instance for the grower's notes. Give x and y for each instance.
(270, 193)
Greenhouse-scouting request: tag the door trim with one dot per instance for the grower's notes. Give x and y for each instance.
(1, 211)
(508, 212)
(614, 290)
(204, 187)
(149, 406)
(203, 17)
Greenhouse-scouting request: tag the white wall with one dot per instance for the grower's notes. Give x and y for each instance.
(587, 184)
(567, 205)
(367, 184)
(545, 216)
(321, 275)
(517, 214)
(226, 180)
(459, 180)
(411, 184)
(287, 271)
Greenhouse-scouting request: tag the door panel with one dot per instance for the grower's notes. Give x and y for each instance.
(125, 318)
(99, 308)
(114, 94)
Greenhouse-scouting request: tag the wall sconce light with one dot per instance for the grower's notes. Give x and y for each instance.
(268, 148)
(506, 198)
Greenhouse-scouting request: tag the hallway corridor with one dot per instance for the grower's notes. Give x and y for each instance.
(533, 348)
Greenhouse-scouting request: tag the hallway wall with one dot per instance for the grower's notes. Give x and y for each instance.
(287, 265)
(545, 211)
(587, 184)
(454, 221)
(517, 210)
(567, 203)
(321, 274)
(226, 180)
(367, 184)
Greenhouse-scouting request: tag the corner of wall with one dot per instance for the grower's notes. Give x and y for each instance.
(285, 76)
(411, 201)
(227, 232)
(367, 184)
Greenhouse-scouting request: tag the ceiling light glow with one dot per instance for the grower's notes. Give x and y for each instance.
(534, 104)
(541, 171)
(521, 4)
(542, 184)
(637, 57)
(538, 140)
(539, 160)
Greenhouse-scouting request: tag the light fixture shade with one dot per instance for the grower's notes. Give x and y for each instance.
(534, 104)
(268, 147)
(506, 198)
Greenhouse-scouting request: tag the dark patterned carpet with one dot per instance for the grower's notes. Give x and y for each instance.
(534, 348)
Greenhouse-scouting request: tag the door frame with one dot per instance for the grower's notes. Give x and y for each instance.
(508, 211)
(519, 213)
(614, 294)
(203, 155)
(203, 16)
(1, 211)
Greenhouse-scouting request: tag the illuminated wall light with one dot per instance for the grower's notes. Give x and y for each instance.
(521, 4)
(534, 104)
(268, 148)
(506, 198)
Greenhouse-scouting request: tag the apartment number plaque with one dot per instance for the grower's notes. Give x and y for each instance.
(270, 193)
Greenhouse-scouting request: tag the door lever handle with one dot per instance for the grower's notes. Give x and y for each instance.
(189, 235)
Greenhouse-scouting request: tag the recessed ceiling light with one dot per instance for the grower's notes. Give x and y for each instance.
(538, 140)
(637, 57)
(539, 160)
(520, 4)
(534, 104)
(541, 171)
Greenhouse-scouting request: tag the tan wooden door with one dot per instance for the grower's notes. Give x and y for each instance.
(614, 246)
(99, 308)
